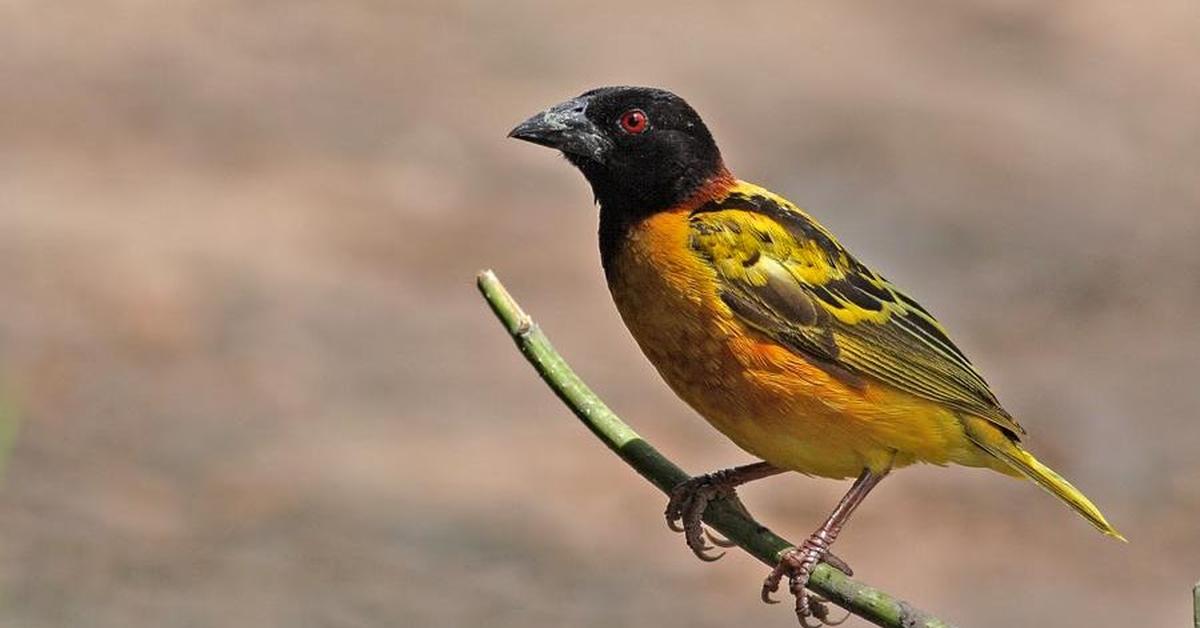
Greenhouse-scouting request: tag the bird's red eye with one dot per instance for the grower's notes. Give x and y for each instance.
(634, 121)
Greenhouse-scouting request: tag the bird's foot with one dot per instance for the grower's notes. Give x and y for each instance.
(686, 507)
(798, 564)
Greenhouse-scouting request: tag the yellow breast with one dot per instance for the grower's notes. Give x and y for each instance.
(768, 400)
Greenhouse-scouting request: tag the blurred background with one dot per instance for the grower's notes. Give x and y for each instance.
(255, 385)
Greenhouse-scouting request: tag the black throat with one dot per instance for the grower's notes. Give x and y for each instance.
(614, 229)
(626, 203)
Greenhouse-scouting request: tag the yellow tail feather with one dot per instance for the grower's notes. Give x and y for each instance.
(996, 443)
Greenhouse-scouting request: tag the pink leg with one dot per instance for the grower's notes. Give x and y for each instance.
(798, 563)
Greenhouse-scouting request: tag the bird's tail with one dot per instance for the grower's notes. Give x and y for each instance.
(995, 442)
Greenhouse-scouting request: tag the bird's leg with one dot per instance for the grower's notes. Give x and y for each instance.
(798, 563)
(690, 498)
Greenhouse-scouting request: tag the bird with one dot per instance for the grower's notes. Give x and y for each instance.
(758, 318)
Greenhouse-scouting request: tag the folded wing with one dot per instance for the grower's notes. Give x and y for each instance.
(784, 275)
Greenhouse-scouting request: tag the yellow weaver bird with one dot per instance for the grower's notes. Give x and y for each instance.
(762, 322)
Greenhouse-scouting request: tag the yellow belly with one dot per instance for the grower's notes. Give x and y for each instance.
(768, 400)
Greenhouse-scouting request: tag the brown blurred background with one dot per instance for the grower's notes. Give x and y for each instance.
(256, 386)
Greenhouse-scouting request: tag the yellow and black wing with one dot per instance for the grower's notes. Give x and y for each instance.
(784, 275)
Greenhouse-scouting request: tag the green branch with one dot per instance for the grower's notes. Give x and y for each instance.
(9, 423)
(1196, 605)
(867, 602)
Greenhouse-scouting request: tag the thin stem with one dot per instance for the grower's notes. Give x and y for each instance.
(9, 424)
(1196, 605)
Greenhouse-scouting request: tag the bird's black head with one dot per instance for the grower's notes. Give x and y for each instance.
(642, 149)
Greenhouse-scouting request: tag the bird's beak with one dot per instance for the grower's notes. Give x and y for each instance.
(566, 127)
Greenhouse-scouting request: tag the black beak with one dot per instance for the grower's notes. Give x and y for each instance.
(566, 127)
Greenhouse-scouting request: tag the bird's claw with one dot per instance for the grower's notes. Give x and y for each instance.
(685, 512)
(717, 539)
(833, 561)
(820, 611)
(797, 565)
